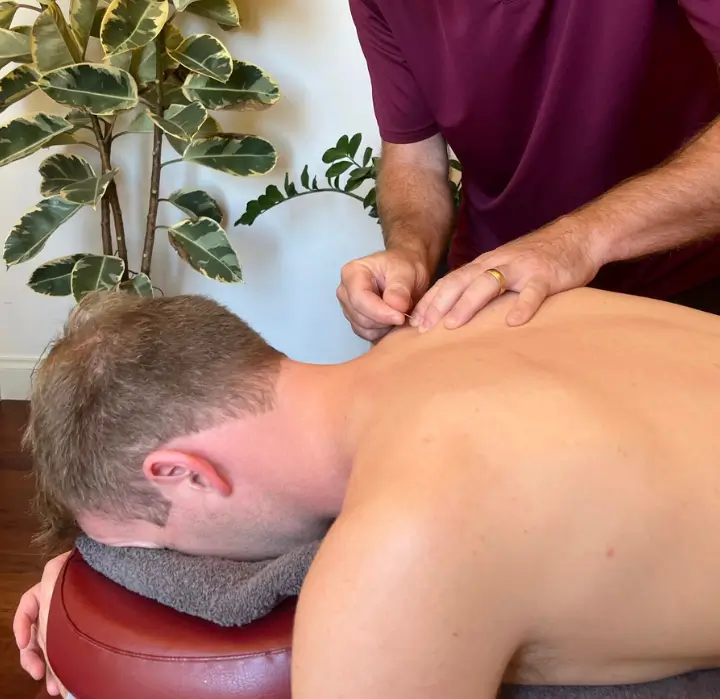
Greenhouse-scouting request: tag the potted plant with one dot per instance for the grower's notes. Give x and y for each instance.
(123, 68)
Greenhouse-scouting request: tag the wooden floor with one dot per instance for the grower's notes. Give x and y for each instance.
(20, 566)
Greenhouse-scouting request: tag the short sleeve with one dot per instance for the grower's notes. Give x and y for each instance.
(704, 15)
(400, 108)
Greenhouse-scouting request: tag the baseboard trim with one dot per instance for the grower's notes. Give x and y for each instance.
(16, 377)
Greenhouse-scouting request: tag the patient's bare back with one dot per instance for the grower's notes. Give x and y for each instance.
(594, 432)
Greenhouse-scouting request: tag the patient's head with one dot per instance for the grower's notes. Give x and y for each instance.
(148, 428)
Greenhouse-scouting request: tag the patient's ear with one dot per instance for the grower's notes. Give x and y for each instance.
(167, 468)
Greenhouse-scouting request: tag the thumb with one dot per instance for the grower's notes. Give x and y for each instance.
(397, 295)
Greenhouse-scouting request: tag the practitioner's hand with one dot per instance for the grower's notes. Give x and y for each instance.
(552, 259)
(30, 626)
(377, 291)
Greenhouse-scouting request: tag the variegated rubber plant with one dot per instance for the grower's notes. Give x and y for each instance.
(346, 174)
(123, 68)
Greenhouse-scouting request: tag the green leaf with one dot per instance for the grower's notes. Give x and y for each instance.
(206, 55)
(354, 144)
(139, 285)
(338, 168)
(305, 178)
(455, 165)
(130, 24)
(209, 127)
(343, 145)
(367, 156)
(53, 278)
(290, 188)
(79, 117)
(204, 245)
(82, 18)
(253, 209)
(123, 61)
(16, 85)
(52, 43)
(184, 122)
(96, 273)
(97, 22)
(59, 170)
(197, 203)
(315, 184)
(143, 64)
(63, 139)
(7, 14)
(370, 198)
(36, 226)
(141, 123)
(102, 90)
(247, 88)
(361, 174)
(333, 154)
(224, 12)
(14, 47)
(72, 178)
(25, 135)
(351, 185)
(237, 154)
(172, 37)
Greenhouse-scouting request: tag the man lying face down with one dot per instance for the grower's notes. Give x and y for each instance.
(532, 505)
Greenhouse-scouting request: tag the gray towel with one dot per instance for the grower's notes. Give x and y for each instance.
(228, 593)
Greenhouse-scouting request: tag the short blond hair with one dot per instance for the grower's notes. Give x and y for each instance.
(127, 375)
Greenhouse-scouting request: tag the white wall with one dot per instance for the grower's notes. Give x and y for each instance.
(291, 256)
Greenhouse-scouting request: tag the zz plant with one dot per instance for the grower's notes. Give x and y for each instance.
(122, 68)
(346, 174)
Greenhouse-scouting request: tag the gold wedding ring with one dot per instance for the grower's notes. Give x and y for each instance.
(499, 277)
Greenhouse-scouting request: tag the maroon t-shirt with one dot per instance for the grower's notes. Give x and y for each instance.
(548, 104)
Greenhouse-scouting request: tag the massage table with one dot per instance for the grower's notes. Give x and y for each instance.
(105, 642)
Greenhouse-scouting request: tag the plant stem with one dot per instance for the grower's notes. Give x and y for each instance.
(170, 162)
(28, 7)
(151, 223)
(112, 196)
(328, 189)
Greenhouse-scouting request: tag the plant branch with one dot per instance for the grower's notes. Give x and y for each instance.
(328, 189)
(171, 162)
(28, 7)
(112, 196)
(157, 164)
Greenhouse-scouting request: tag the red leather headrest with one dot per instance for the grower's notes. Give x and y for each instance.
(105, 642)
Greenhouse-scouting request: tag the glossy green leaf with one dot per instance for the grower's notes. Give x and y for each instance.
(143, 65)
(370, 198)
(52, 43)
(236, 154)
(331, 155)
(204, 245)
(102, 90)
(139, 285)
(97, 21)
(7, 14)
(367, 156)
(29, 236)
(206, 55)
(73, 178)
(53, 278)
(14, 47)
(197, 203)
(59, 170)
(130, 24)
(172, 37)
(182, 123)
(305, 178)
(63, 139)
(338, 168)
(141, 123)
(354, 144)
(247, 88)
(181, 5)
(209, 127)
(25, 135)
(79, 117)
(343, 144)
(82, 17)
(253, 209)
(224, 12)
(16, 85)
(96, 273)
